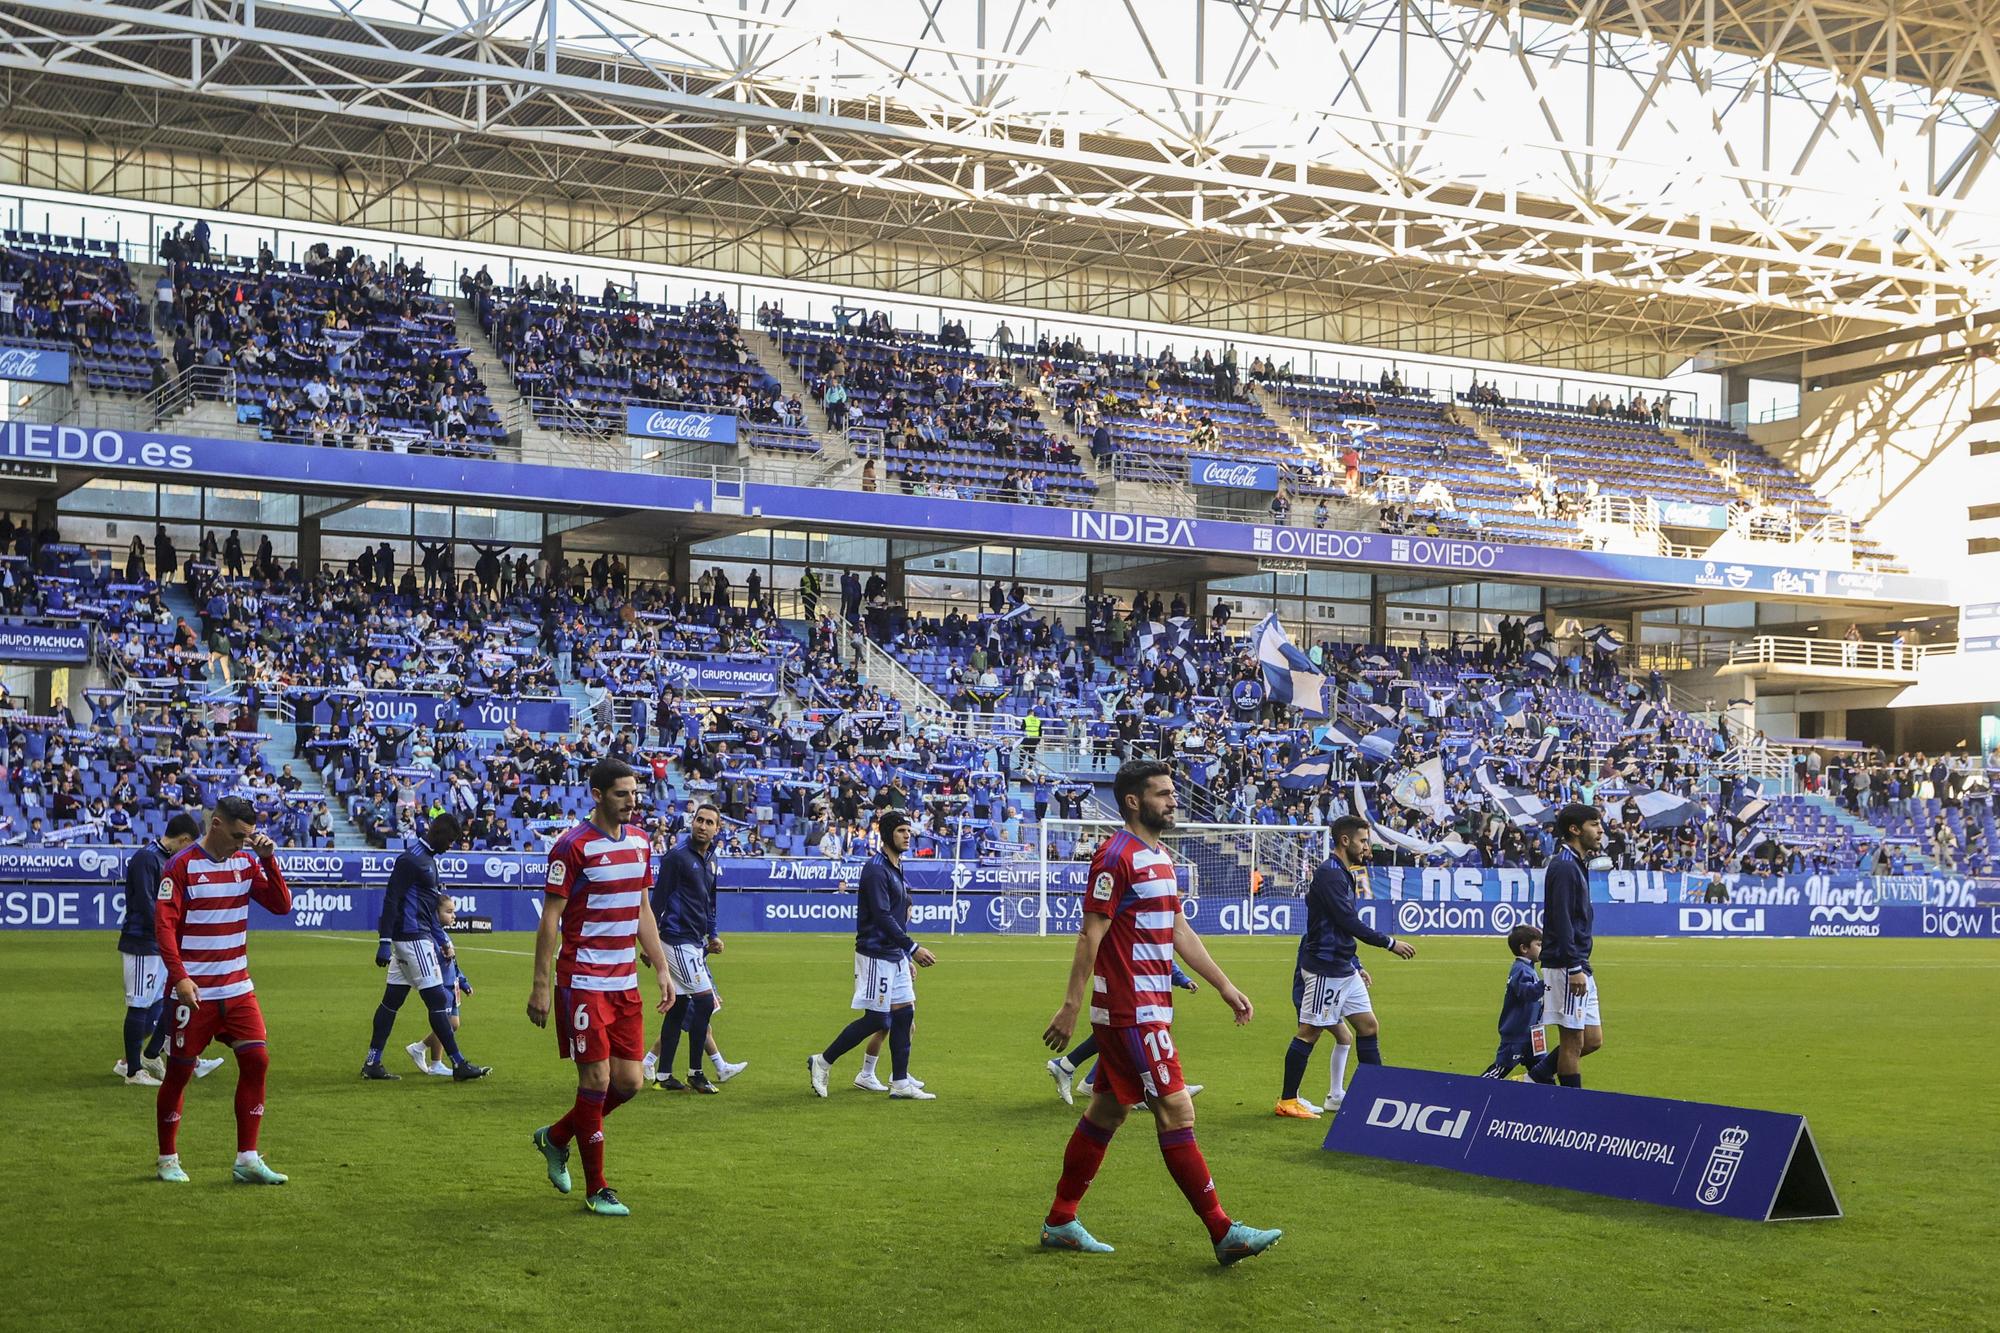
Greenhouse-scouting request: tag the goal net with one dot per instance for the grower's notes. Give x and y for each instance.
(1235, 879)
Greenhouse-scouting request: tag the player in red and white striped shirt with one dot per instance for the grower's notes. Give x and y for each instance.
(202, 920)
(594, 908)
(1132, 926)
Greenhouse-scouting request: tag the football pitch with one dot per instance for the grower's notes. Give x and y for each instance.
(424, 1205)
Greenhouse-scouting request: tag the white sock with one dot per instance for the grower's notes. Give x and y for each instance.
(716, 1061)
(868, 1065)
(246, 1158)
(1067, 1067)
(167, 1159)
(1337, 1090)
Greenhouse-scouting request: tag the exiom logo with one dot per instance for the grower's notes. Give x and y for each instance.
(1437, 1121)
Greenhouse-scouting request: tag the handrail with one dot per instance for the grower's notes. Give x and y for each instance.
(1836, 654)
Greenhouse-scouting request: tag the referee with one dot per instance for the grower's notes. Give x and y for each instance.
(1570, 1001)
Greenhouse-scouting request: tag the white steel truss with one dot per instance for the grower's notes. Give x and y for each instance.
(1589, 184)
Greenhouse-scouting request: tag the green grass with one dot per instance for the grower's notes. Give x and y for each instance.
(422, 1204)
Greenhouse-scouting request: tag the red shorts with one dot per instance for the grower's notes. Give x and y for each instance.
(594, 1025)
(195, 1026)
(1138, 1063)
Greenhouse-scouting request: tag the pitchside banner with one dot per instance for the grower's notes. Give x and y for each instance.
(44, 643)
(1758, 1165)
(490, 713)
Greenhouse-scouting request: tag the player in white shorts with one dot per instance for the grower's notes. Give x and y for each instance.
(1329, 986)
(144, 975)
(1570, 1003)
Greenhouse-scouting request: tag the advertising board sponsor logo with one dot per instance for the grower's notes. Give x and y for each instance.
(311, 907)
(1243, 476)
(1437, 1121)
(1255, 918)
(1709, 577)
(668, 424)
(1954, 923)
(1737, 576)
(1722, 921)
(38, 365)
(1414, 918)
(1443, 552)
(1843, 919)
(1130, 529)
(1717, 1176)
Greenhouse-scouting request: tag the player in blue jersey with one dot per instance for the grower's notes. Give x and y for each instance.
(1520, 1007)
(1570, 1004)
(684, 905)
(428, 1054)
(139, 955)
(884, 987)
(1329, 987)
(412, 947)
(1063, 1068)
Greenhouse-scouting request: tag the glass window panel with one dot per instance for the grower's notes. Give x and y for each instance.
(108, 496)
(180, 501)
(752, 545)
(1062, 566)
(1321, 583)
(432, 520)
(376, 516)
(964, 561)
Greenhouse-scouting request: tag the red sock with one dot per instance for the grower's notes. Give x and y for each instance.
(1085, 1153)
(1190, 1172)
(615, 1099)
(167, 1106)
(252, 1062)
(586, 1125)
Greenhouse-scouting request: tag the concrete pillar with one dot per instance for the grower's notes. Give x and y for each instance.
(309, 547)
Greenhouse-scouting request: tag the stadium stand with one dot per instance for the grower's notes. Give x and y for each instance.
(68, 291)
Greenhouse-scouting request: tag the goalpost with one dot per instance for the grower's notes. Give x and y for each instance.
(1228, 873)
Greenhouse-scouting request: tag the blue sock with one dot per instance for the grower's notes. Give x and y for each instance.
(438, 1001)
(900, 1022)
(1083, 1050)
(135, 1034)
(1570, 1080)
(860, 1030)
(1368, 1050)
(1544, 1069)
(385, 1019)
(1297, 1056)
(157, 1025)
(700, 1009)
(670, 1036)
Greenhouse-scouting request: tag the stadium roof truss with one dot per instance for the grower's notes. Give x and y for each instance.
(1612, 184)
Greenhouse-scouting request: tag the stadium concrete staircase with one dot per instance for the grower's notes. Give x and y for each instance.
(508, 404)
(834, 448)
(276, 748)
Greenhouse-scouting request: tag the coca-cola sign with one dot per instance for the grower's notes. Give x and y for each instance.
(37, 365)
(1232, 474)
(667, 423)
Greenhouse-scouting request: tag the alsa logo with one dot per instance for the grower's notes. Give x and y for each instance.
(311, 906)
(1437, 1121)
(1255, 918)
(1722, 920)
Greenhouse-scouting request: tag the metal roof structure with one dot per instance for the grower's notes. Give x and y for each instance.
(1613, 187)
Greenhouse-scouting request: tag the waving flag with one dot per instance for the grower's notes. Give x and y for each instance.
(1307, 774)
(1542, 660)
(1381, 744)
(1603, 639)
(1517, 805)
(1508, 710)
(1748, 804)
(1422, 789)
(1663, 809)
(1289, 673)
(1337, 734)
(1537, 628)
(1645, 716)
